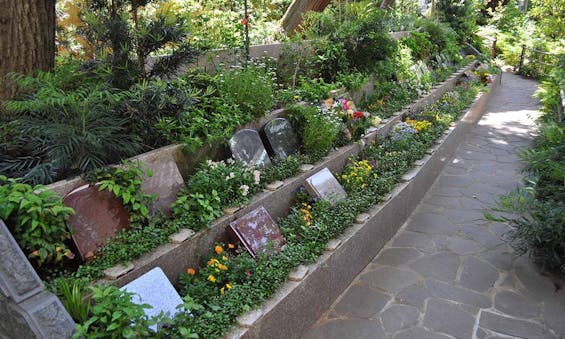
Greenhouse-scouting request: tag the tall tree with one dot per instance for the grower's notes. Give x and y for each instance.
(27, 43)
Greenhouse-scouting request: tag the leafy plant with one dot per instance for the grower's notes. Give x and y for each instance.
(86, 133)
(250, 88)
(125, 183)
(36, 216)
(317, 131)
(114, 314)
(197, 209)
(75, 300)
(282, 169)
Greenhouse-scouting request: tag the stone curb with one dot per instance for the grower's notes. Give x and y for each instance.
(298, 305)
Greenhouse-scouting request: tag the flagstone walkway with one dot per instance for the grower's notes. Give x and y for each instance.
(447, 273)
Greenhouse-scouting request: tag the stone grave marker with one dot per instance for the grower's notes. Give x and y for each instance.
(246, 146)
(99, 215)
(323, 185)
(280, 137)
(417, 71)
(165, 183)
(155, 289)
(423, 68)
(256, 231)
(27, 310)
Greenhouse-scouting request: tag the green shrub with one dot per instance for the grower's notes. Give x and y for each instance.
(115, 315)
(316, 130)
(252, 89)
(36, 217)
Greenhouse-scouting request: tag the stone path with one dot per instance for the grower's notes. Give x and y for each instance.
(447, 273)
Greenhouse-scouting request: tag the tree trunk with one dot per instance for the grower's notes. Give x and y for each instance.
(387, 4)
(27, 39)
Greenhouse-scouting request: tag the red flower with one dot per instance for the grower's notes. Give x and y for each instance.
(358, 115)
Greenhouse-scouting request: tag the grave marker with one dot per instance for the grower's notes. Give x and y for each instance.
(165, 183)
(323, 185)
(280, 138)
(155, 289)
(99, 215)
(256, 231)
(246, 146)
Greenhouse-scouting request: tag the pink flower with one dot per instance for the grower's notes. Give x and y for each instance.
(344, 104)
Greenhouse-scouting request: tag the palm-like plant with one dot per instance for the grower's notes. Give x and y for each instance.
(86, 132)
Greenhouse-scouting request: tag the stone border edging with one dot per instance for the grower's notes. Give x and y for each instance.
(298, 304)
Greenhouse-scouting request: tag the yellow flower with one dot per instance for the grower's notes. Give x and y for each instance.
(231, 246)
(213, 261)
(222, 291)
(224, 258)
(211, 278)
(58, 249)
(218, 249)
(191, 271)
(222, 267)
(229, 286)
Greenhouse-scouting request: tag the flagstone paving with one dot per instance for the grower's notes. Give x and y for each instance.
(448, 272)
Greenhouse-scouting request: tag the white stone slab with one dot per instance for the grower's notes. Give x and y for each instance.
(324, 185)
(155, 289)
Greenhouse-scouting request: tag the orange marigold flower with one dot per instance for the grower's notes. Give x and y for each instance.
(218, 249)
(191, 271)
(222, 267)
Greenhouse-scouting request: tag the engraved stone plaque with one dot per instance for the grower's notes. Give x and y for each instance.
(165, 183)
(256, 231)
(155, 289)
(246, 146)
(280, 137)
(99, 215)
(323, 185)
(18, 279)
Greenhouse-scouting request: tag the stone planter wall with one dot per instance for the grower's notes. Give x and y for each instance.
(40, 314)
(298, 304)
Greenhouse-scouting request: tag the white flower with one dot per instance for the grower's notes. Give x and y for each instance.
(244, 190)
(232, 175)
(230, 161)
(256, 177)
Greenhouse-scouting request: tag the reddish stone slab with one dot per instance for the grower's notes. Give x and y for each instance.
(99, 215)
(255, 231)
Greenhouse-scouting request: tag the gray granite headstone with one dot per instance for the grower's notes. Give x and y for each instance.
(26, 309)
(423, 68)
(165, 183)
(246, 146)
(280, 138)
(324, 185)
(155, 289)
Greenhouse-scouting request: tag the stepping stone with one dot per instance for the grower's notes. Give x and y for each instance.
(117, 271)
(181, 236)
(249, 318)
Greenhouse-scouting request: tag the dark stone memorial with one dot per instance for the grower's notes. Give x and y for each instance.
(27, 310)
(280, 137)
(246, 146)
(256, 231)
(99, 215)
(323, 185)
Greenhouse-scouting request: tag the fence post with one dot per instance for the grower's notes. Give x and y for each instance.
(493, 47)
(522, 57)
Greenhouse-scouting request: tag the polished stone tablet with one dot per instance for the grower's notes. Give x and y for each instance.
(99, 216)
(280, 137)
(323, 185)
(246, 146)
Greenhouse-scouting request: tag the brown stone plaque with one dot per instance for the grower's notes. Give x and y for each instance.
(165, 183)
(99, 215)
(255, 231)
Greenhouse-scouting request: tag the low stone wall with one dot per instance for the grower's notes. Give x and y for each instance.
(33, 312)
(298, 304)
